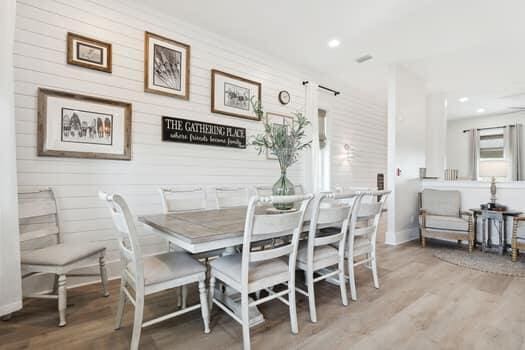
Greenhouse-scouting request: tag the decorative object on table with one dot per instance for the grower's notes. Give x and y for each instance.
(284, 97)
(422, 173)
(493, 169)
(451, 174)
(277, 121)
(231, 95)
(441, 217)
(89, 53)
(202, 133)
(166, 66)
(79, 126)
(284, 142)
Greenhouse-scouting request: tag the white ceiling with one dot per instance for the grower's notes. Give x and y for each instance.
(468, 48)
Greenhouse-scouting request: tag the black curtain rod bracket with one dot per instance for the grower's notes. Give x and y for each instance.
(324, 88)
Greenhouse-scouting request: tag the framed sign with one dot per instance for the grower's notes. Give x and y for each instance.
(166, 66)
(201, 133)
(231, 95)
(278, 121)
(79, 126)
(88, 53)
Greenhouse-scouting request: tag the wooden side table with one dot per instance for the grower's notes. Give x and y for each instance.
(491, 218)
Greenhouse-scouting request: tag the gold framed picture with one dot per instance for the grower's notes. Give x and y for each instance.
(231, 95)
(166, 66)
(89, 53)
(79, 126)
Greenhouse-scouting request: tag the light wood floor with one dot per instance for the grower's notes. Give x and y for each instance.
(423, 303)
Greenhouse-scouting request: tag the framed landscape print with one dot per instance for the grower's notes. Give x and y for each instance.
(166, 66)
(278, 121)
(231, 95)
(79, 126)
(88, 53)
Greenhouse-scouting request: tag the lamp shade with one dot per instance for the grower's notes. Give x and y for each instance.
(493, 168)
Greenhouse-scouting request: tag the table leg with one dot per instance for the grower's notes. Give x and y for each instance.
(483, 234)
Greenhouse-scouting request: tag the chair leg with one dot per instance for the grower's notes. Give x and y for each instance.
(62, 299)
(292, 306)
(121, 304)
(311, 295)
(103, 275)
(351, 278)
(184, 296)
(470, 246)
(204, 306)
(211, 292)
(245, 317)
(374, 271)
(423, 242)
(342, 282)
(137, 322)
(178, 290)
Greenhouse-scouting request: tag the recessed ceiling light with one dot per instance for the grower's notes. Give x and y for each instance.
(463, 99)
(480, 110)
(334, 43)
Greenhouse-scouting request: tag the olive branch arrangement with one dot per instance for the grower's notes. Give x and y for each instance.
(284, 142)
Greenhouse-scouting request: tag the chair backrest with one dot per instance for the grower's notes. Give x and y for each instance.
(38, 219)
(263, 225)
(180, 199)
(365, 218)
(127, 236)
(231, 197)
(438, 202)
(329, 210)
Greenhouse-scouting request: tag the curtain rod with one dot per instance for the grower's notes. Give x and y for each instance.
(494, 127)
(324, 88)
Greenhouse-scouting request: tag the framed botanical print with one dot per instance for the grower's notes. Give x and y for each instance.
(88, 53)
(166, 66)
(79, 126)
(231, 95)
(278, 121)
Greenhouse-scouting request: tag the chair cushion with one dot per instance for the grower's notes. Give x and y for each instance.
(320, 253)
(446, 223)
(437, 202)
(60, 254)
(168, 266)
(230, 266)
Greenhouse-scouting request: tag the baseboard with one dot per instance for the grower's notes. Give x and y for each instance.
(9, 308)
(403, 236)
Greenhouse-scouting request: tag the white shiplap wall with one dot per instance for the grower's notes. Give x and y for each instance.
(40, 61)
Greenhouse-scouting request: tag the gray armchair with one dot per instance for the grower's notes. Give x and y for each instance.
(441, 217)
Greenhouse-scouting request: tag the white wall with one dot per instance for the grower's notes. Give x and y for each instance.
(10, 286)
(458, 142)
(40, 56)
(436, 133)
(406, 151)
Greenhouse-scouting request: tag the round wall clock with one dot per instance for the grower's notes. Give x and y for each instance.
(284, 97)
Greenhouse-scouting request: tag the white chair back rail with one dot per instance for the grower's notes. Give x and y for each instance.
(231, 197)
(179, 199)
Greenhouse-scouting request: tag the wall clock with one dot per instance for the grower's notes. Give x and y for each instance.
(284, 97)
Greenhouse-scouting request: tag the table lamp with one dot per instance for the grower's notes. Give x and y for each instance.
(493, 169)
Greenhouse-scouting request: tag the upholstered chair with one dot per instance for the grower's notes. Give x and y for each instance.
(518, 236)
(441, 217)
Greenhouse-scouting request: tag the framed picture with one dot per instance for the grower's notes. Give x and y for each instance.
(231, 95)
(78, 126)
(88, 53)
(166, 66)
(278, 121)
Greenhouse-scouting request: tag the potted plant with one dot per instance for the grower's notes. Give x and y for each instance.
(284, 142)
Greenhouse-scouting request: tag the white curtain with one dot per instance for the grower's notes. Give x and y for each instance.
(513, 152)
(474, 154)
(312, 166)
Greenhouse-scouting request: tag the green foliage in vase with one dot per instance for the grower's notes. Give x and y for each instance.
(283, 141)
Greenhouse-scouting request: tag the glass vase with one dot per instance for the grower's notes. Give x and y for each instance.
(283, 187)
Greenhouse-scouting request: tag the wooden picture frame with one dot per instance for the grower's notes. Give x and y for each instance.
(277, 119)
(168, 75)
(89, 53)
(80, 126)
(222, 104)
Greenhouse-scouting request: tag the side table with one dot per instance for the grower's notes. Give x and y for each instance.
(495, 218)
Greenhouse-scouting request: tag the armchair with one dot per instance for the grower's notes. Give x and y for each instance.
(518, 236)
(441, 217)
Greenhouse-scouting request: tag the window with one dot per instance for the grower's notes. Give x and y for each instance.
(492, 144)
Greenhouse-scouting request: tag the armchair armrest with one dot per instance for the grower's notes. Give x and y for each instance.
(466, 213)
(520, 217)
(422, 212)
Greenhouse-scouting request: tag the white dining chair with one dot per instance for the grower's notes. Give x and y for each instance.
(43, 250)
(146, 275)
(322, 255)
(362, 235)
(231, 197)
(250, 271)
